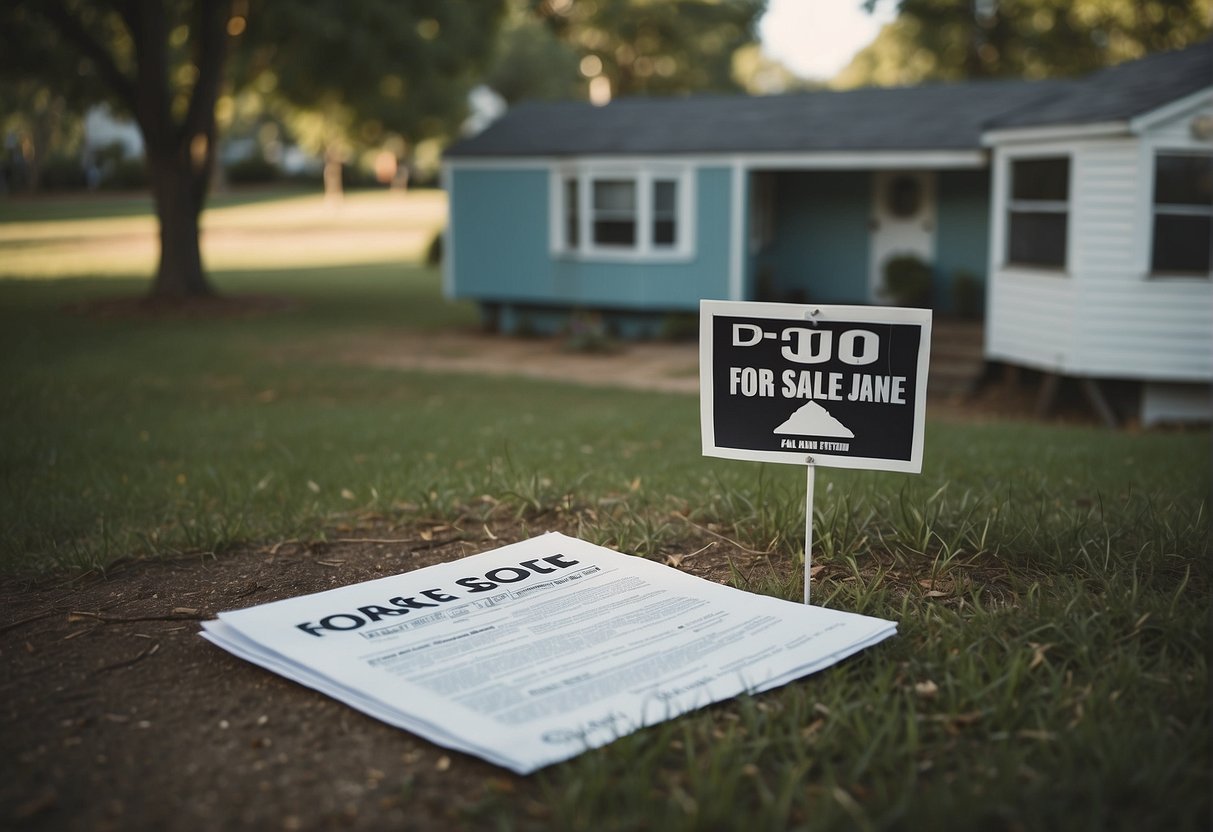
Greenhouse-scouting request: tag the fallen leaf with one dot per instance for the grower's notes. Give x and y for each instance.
(1031, 734)
(1038, 654)
(346, 494)
(313, 487)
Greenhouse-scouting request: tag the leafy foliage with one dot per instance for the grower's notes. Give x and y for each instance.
(370, 69)
(655, 48)
(955, 39)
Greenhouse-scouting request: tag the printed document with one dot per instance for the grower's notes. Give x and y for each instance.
(533, 653)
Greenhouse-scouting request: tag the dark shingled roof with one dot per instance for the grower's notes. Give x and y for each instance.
(921, 118)
(1121, 92)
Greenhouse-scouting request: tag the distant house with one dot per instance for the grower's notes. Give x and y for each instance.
(1080, 208)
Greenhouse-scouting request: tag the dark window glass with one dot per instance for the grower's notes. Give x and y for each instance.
(572, 216)
(1044, 180)
(614, 232)
(1182, 243)
(905, 196)
(1037, 238)
(665, 212)
(1183, 213)
(1183, 180)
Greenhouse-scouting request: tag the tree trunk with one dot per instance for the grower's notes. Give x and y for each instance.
(178, 206)
(334, 192)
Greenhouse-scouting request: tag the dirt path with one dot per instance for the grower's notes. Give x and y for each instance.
(666, 367)
(116, 715)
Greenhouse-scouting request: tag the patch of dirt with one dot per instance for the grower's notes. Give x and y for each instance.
(117, 715)
(671, 367)
(668, 367)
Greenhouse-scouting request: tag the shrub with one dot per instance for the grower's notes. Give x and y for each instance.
(124, 175)
(62, 173)
(433, 254)
(252, 170)
(907, 281)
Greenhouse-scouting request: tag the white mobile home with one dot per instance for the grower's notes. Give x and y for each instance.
(1102, 204)
(1082, 207)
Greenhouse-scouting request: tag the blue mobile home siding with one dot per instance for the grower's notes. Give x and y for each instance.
(502, 251)
(500, 241)
(962, 241)
(819, 252)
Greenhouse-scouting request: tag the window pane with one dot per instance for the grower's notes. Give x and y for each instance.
(615, 212)
(663, 197)
(572, 218)
(665, 212)
(1183, 180)
(1037, 238)
(664, 232)
(615, 196)
(615, 232)
(1041, 179)
(1181, 243)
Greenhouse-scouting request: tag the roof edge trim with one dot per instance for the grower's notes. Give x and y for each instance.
(1054, 132)
(820, 160)
(1148, 119)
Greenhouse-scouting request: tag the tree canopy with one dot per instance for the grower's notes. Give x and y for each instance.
(955, 39)
(372, 67)
(636, 47)
(350, 74)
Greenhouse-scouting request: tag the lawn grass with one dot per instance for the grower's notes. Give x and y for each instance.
(1051, 582)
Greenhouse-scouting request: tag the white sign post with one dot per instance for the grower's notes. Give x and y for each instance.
(809, 384)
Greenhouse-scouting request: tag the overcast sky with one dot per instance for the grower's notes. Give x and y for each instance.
(817, 38)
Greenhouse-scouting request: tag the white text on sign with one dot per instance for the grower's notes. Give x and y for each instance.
(815, 346)
(814, 384)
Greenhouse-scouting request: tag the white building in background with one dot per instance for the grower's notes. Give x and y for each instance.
(102, 129)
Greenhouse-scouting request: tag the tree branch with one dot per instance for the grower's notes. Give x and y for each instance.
(74, 30)
(146, 20)
(210, 55)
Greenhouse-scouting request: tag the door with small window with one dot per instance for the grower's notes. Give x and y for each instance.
(903, 222)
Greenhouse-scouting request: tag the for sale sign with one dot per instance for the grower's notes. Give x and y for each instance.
(842, 386)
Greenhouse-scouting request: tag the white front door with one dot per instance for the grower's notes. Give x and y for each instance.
(903, 221)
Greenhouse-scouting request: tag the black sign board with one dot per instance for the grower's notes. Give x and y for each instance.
(841, 386)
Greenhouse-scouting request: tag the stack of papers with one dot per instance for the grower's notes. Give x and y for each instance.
(538, 651)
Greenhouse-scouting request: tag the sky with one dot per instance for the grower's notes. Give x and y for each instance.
(817, 38)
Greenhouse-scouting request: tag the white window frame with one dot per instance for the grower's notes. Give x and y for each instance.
(643, 174)
(1011, 205)
(1172, 210)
